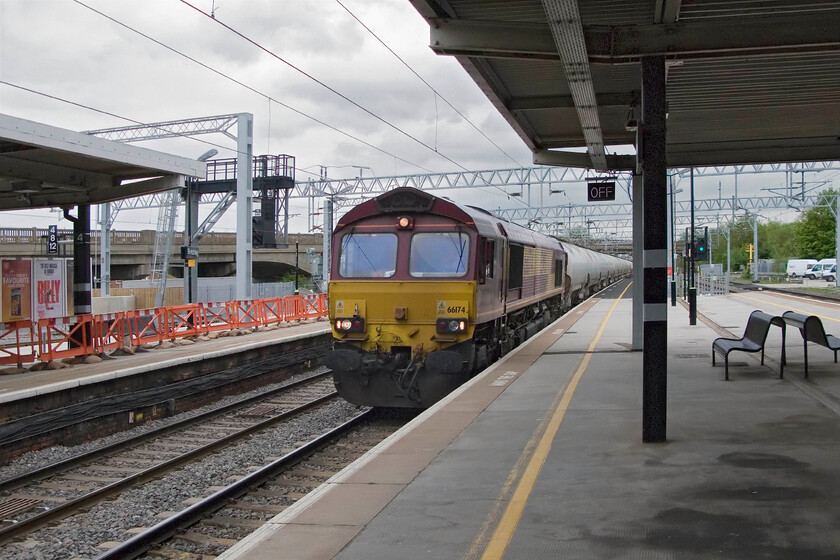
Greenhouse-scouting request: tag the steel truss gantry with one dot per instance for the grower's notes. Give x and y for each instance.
(169, 129)
(167, 201)
(537, 184)
(566, 214)
(521, 178)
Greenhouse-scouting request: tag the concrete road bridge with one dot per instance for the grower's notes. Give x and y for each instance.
(131, 252)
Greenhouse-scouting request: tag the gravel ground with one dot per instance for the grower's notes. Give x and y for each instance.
(139, 508)
(45, 457)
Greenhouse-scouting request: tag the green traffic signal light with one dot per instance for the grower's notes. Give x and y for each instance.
(701, 243)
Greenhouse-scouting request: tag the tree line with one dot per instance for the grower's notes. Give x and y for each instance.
(810, 236)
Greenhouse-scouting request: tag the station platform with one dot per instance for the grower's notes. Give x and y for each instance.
(38, 383)
(42, 408)
(541, 455)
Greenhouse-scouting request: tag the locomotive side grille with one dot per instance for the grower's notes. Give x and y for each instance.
(538, 270)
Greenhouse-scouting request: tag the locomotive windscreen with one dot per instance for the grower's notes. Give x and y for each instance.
(368, 255)
(443, 254)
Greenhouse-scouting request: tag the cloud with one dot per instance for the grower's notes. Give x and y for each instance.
(67, 50)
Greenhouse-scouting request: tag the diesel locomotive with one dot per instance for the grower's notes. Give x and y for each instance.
(424, 293)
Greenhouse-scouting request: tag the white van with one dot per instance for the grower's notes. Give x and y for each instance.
(799, 267)
(823, 267)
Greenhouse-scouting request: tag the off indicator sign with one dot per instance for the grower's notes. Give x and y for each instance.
(602, 190)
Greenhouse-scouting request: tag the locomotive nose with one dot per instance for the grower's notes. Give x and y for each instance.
(343, 360)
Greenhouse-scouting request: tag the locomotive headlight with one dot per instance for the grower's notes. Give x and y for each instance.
(451, 326)
(354, 324)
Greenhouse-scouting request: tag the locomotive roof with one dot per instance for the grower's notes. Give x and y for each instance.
(408, 200)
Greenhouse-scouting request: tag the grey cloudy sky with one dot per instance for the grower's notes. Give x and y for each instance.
(67, 50)
(64, 48)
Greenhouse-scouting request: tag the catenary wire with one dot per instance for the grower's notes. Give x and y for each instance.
(324, 85)
(407, 65)
(249, 88)
(103, 112)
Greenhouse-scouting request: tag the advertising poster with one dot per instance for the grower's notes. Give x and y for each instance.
(16, 290)
(49, 289)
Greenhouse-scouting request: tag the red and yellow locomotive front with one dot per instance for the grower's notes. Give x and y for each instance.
(402, 300)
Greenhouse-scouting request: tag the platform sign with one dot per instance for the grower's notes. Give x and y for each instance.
(16, 290)
(52, 240)
(189, 252)
(49, 289)
(600, 191)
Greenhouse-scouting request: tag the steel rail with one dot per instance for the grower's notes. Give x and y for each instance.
(141, 543)
(83, 502)
(72, 462)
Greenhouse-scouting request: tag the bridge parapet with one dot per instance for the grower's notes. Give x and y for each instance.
(132, 249)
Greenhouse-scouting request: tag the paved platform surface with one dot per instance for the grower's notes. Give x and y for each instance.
(540, 456)
(24, 385)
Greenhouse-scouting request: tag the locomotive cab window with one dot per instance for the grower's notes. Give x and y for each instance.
(487, 262)
(558, 273)
(438, 255)
(516, 264)
(368, 255)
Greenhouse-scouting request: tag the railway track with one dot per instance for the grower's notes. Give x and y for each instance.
(211, 526)
(750, 287)
(48, 495)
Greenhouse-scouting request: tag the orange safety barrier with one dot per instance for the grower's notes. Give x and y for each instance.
(246, 313)
(292, 308)
(109, 331)
(146, 325)
(88, 334)
(310, 306)
(217, 317)
(63, 338)
(271, 310)
(184, 320)
(23, 349)
(323, 305)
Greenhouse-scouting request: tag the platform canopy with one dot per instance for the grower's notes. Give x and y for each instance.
(46, 166)
(747, 81)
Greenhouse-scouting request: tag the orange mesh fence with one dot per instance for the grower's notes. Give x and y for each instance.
(323, 305)
(65, 338)
(310, 306)
(147, 325)
(17, 343)
(292, 308)
(184, 320)
(109, 331)
(271, 310)
(217, 316)
(246, 313)
(22, 341)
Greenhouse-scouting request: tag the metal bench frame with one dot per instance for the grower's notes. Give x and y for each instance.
(755, 335)
(812, 330)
